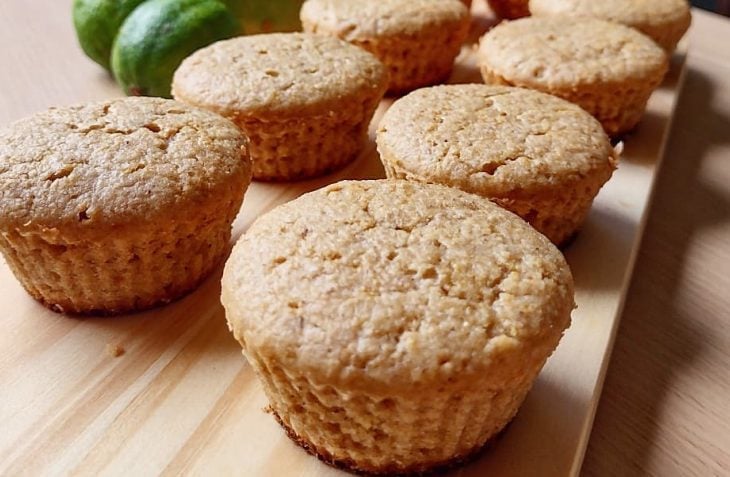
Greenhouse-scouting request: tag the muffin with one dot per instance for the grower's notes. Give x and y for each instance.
(608, 69)
(119, 205)
(539, 156)
(417, 40)
(395, 326)
(665, 21)
(509, 9)
(304, 101)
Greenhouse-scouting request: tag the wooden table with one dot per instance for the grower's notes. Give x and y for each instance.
(663, 410)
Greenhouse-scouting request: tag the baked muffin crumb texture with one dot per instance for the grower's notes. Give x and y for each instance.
(395, 325)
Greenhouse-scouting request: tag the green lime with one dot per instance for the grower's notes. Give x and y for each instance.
(97, 23)
(159, 34)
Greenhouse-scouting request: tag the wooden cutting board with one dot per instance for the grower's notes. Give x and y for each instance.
(181, 399)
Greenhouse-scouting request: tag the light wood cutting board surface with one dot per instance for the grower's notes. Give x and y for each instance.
(181, 398)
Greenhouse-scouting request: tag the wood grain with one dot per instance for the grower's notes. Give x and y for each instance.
(181, 399)
(664, 410)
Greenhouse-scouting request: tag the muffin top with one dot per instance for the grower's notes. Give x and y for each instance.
(493, 139)
(361, 19)
(115, 163)
(628, 12)
(564, 52)
(279, 75)
(382, 284)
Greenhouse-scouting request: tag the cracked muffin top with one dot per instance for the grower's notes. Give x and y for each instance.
(279, 75)
(493, 139)
(627, 12)
(381, 284)
(564, 52)
(362, 19)
(113, 163)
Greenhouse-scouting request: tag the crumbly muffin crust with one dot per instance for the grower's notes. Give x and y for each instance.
(388, 256)
(665, 21)
(119, 205)
(114, 164)
(561, 53)
(494, 139)
(527, 150)
(395, 325)
(278, 75)
(608, 69)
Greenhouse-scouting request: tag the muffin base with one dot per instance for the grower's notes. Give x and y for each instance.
(395, 432)
(618, 107)
(668, 35)
(309, 146)
(126, 271)
(558, 218)
(350, 466)
(415, 60)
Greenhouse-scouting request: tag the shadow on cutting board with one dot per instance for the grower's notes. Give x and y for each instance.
(661, 339)
(615, 234)
(651, 125)
(548, 413)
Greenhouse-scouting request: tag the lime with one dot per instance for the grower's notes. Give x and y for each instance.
(159, 34)
(97, 23)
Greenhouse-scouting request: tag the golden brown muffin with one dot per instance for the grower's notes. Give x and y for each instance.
(417, 40)
(539, 156)
(119, 205)
(509, 9)
(608, 69)
(665, 21)
(305, 101)
(395, 326)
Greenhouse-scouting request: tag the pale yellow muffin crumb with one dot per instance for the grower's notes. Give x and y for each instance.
(305, 101)
(539, 156)
(417, 40)
(395, 326)
(610, 70)
(665, 21)
(118, 205)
